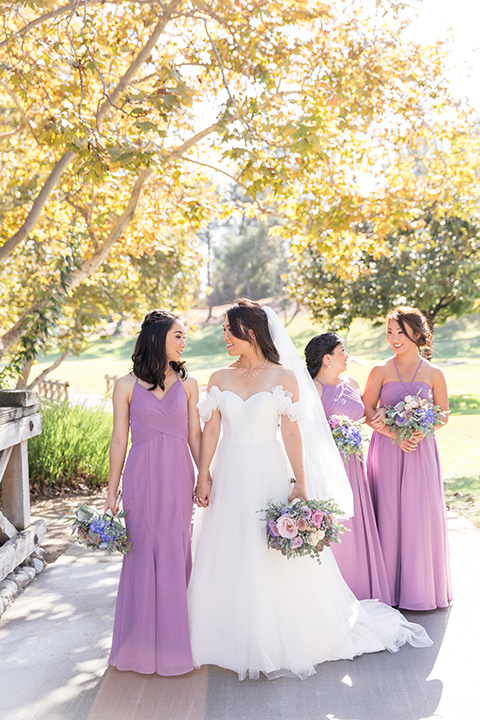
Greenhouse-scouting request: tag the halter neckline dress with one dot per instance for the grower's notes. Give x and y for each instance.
(409, 501)
(359, 554)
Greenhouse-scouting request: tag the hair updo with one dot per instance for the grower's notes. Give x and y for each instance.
(246, 315)
(317, 348)
(150, 361)
(418, 331)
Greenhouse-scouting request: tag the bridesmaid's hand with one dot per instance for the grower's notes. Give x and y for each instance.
(377, 419)
(409, 445)
(112, 503)
(201, 494)
(297, 491)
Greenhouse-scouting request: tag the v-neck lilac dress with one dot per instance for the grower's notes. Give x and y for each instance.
(151, 630)
(409, 502)
(359, 554)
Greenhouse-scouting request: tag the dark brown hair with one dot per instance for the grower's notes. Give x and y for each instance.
(149, 357)
(246, 315)
(418, 331)
(317, 348)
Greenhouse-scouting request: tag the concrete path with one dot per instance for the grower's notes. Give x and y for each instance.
(54, 644)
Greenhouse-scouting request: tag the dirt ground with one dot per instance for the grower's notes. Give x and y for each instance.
(51, 507)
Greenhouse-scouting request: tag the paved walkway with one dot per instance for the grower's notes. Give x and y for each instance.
(54, 644)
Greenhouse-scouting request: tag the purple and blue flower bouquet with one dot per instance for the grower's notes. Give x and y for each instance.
(413, 414)
(347, 434)
(99, 531)
(303, 527)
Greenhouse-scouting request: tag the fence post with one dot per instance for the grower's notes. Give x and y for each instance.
(20, 419)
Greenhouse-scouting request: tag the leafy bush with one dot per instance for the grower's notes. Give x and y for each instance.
(73, 445)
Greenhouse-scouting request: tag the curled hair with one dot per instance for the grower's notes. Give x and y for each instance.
(317, 348)
(418, 331)
(150, 361)
(246, 315)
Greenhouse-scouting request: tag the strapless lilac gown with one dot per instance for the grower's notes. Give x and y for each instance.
(409, 502)
(151, 630)
(359, 554)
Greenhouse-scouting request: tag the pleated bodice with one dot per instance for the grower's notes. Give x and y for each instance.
(342, 399)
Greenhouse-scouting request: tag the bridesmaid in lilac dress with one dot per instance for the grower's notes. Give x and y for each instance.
(359, 554)
(405, 477)
(158, 401)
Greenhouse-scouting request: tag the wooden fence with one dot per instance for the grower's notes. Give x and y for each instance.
(110, 380)
(53, 389)
(20, 419)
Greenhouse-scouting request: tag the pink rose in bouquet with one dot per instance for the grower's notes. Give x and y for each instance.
(301, 524)
(303, 527)
(286, 527)
(297, 542)
(317, 517)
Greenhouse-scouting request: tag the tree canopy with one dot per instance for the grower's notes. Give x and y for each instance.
(432, 265)
(113, 114)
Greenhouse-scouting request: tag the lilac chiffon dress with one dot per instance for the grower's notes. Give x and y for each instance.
(151, 630)
(409, 502)
(359, 554)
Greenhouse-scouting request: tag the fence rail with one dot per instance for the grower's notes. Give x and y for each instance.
(53, 389)
(20, 419)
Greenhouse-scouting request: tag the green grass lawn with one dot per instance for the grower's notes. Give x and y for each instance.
(456, 349)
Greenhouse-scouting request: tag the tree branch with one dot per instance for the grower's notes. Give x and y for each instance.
(138, 62)
(68, 156)
(235, 180)
(37, 206)
(89, 266)
(48, 370)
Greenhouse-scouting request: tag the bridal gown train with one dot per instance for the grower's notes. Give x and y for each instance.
(251, 609)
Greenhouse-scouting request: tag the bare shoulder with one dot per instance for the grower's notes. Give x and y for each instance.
(284, 377)
(381, 369)
(190, 382)
(191, 386)
(434, 371)
(220, 377)
(123, 387)
(126, 382)
(352, 382)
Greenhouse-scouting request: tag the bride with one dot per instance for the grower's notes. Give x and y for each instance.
(251, 609)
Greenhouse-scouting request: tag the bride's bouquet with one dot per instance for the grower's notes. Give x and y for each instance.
(99, 531)
(413, 414)
(303, 527)
(347, 434)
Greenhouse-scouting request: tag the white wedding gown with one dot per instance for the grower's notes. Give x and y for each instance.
(251, 609)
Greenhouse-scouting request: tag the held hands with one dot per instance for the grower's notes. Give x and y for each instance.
(201, 494)
(410, 445)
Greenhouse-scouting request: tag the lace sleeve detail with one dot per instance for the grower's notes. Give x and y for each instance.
(285, 406)
(209, 403)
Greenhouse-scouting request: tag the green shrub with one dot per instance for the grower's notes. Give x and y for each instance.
(73, 445)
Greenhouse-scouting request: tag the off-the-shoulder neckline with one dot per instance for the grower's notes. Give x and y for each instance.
(260, 392)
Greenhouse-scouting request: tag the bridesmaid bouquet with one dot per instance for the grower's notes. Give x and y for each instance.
(413, 414)
(99, 531)
(347, 434)
(303, 527)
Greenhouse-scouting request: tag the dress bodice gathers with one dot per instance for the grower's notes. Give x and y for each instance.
(151, 416)
(396, 390)
(342, 399)
(253, 419)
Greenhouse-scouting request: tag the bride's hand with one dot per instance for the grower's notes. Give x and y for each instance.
(297, 491)
(201, 494)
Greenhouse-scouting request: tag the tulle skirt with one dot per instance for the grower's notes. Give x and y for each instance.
(254, 611)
